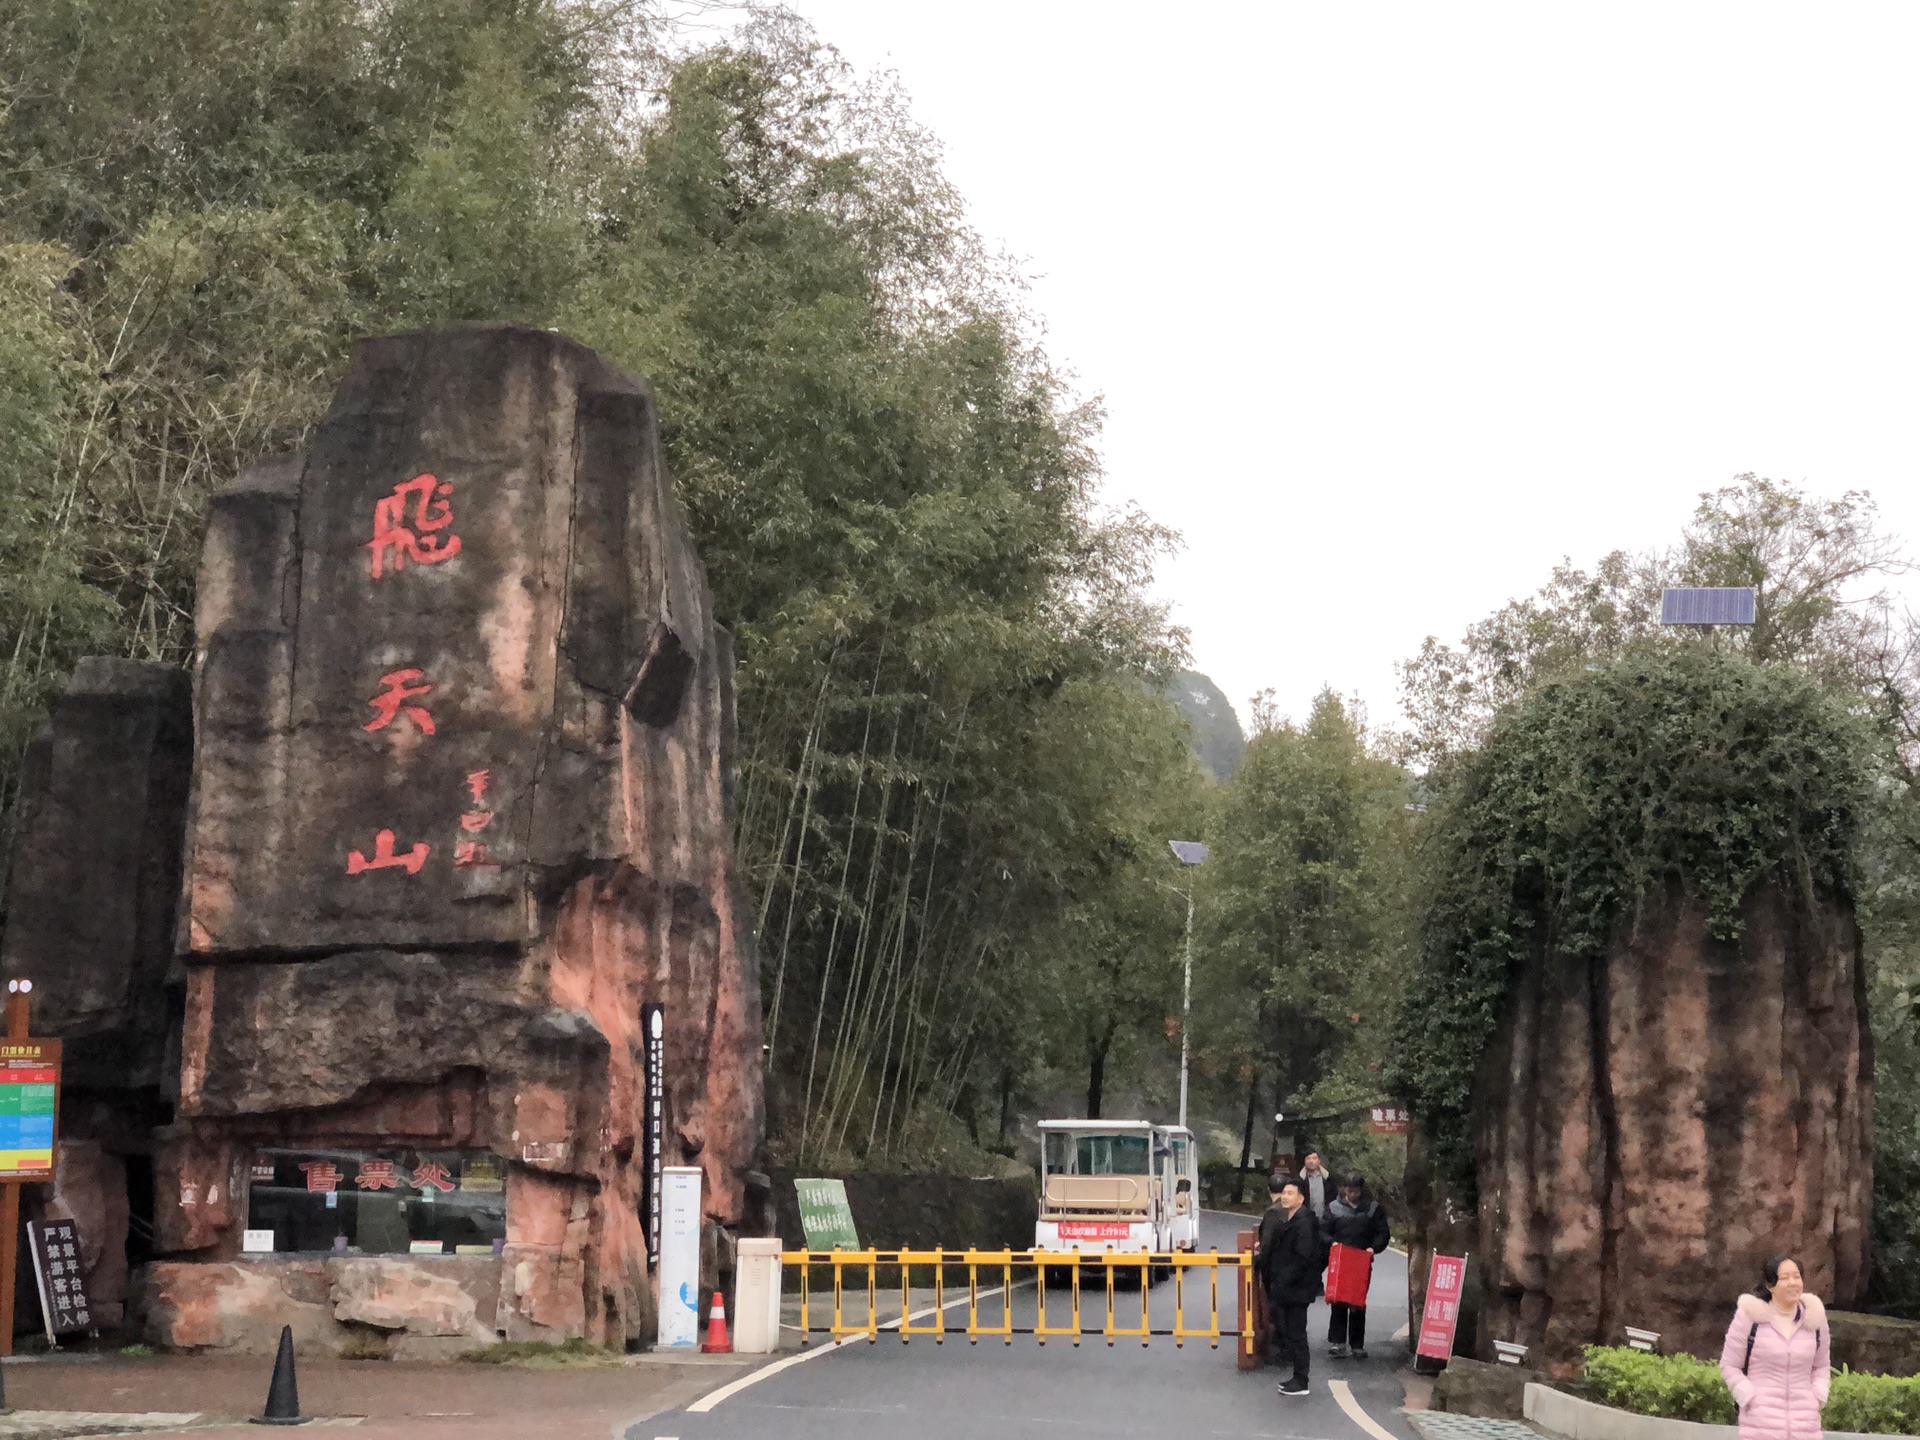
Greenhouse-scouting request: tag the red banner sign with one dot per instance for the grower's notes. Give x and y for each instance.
(1446, 1279)
(1092, 1230)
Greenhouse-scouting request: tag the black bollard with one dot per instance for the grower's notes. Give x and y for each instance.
(283, 1395)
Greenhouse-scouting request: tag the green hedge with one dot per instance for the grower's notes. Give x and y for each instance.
(1683, 1388)
(1677, 1386)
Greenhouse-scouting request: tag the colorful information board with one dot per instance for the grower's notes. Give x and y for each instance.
(29, 1100)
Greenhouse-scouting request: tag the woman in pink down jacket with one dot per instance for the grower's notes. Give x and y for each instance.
(1777, 1357)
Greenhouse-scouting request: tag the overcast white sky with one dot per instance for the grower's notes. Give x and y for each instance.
(1394, 305)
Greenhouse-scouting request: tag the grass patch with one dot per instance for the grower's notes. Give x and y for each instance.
(136, 1352)
(543, 1355)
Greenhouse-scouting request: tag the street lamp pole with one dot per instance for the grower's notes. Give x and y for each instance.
(1186, 1008)
(1188, 852)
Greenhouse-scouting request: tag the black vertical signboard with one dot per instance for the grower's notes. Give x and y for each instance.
(653, 1026)
(56, 1265)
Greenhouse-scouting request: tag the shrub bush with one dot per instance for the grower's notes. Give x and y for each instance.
(1683, 1388)
(1873, 1404)
(1677, 1386)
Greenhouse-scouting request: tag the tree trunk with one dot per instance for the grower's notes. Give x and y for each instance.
(1246, 1140)
(1006, 1100)
(1097, 1071)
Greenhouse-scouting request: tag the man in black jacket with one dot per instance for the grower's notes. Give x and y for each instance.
(1354, 1219)
(1289, 1258)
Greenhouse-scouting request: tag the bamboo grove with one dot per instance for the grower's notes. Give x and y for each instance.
(954, 754)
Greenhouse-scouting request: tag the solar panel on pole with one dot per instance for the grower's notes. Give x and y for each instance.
(1707, 605)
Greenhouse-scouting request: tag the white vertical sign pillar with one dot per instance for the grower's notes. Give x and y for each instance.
(679, 1270)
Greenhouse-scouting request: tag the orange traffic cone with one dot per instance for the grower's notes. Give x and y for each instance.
(717, 1341)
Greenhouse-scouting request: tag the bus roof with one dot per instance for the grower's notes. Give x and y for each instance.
(1098, 1125)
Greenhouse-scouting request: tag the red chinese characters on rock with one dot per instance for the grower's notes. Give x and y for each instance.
(403, 687)
(377, 1175)
(323, 1176)
(384, 857)
(472, 822)
(432, 1176)
(396, 539)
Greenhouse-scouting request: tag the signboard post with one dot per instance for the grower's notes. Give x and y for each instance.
(825, 1215)
(653, 1119)
(1440, 1316)
(679, 1268)
(29, 1107)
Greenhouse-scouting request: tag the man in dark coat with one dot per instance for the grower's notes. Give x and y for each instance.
(1355, 1219)
(1289, 1258)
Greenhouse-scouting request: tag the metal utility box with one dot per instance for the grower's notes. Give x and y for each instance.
(756, 1297)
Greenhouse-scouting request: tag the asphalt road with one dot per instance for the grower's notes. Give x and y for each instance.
(922, 1391)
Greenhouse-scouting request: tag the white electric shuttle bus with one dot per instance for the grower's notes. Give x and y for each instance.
(1117, 1185)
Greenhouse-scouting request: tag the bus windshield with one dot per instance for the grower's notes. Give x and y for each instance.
(1068, 1154)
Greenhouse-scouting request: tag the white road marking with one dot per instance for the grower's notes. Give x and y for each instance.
(1343, 1397)
(765, 1372)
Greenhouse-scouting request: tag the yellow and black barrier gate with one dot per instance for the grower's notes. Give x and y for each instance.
(1211, 1294)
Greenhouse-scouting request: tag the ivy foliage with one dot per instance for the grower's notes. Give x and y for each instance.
(1675, 764)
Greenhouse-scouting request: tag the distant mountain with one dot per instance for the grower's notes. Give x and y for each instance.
(1216, 729)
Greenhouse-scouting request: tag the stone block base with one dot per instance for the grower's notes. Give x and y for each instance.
(355, 1307)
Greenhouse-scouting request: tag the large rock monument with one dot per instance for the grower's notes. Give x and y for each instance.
(1656, 1119)
(463, 726)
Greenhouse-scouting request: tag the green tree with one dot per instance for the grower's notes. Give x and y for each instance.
(1819, 569)
(1306, 913)
(947, 655)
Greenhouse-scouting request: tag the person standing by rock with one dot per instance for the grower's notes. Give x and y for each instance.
(1777, 1358)
(1354, 1222)
(1289, 1259)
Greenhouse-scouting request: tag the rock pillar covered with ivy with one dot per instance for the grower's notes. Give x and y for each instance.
(1642, 1034)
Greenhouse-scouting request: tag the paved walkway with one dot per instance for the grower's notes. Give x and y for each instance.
(62, 1424)
(379, 1400)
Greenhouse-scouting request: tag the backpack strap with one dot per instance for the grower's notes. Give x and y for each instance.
(1752, 1335)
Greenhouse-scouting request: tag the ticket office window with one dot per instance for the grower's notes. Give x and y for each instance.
(386, 1202)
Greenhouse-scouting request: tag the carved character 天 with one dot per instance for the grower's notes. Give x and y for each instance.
(396, 700)
(415, 540)
(384, 857)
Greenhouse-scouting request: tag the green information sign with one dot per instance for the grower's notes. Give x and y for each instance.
(825, 1215)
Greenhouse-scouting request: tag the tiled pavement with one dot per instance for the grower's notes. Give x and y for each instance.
(1443, 1425)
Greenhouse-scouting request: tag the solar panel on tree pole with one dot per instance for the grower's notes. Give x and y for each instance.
(1707, 605)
